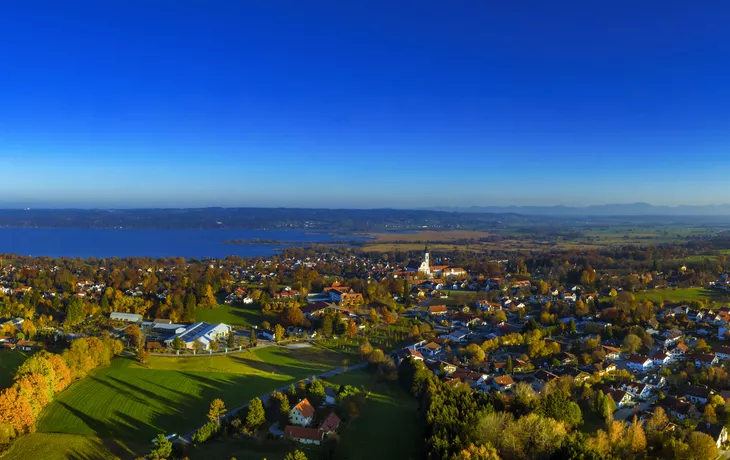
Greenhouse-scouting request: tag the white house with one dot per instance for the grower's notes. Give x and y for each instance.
(660, 358)
(620, 397)
(202, 332)
(639, 363)
(637, 390)
(304, 435)
(302, 414)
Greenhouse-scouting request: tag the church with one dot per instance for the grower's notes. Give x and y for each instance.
(429, 271)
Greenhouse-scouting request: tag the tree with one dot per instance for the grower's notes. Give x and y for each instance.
(701, 345)
(509, 368)
(198, 346)
(327, 326)
(214, 345)
(296, 455)
(635, 437)
(365, 349)
(279, 333)
(701, 446)
(351, 328)
(231, 341)
(252, 339)
(143, 356)
(255, 416)
(217, 410)
(475, 353)
(162, 449)
(558, 405)
(16, 411)
(177, 343)
(134, 333)
(415, 332)
(655, 426)
(709, 414)
(632, 343)
(315, 393)
(474, 452)
(376, 357)
(573, 327)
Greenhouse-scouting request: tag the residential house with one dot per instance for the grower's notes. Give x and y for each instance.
(678, 408)
(695, 393)
(661, 358)
(680, 350)
(723, 353)
(717, 432)
(655, 381)
(330, 424)
(459, 335)
(639, 363)
(431, 349)
(671, 338)
(612, 353)
(302, 414)
(620, 397)
(637, 390)
(437, 310)
(503, 382)
(704, 359)
(304, 435)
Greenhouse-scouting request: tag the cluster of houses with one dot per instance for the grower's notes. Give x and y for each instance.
(302, 418)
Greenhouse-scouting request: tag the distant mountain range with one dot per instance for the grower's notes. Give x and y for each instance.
(632, 209)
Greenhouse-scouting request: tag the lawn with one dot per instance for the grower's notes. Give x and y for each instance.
(131, 403)
(389, 427)
(59, 446)
(682, 295)
(235, 315)
(10, 360)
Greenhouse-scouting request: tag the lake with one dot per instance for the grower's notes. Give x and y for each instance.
(102, 243)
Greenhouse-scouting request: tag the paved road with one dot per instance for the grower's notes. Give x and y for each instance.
(265, 398)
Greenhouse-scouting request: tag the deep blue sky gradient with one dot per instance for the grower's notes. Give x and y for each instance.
(363, 104)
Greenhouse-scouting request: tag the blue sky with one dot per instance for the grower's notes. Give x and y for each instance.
(363, 104)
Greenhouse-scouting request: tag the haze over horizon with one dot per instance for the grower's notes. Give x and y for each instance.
(346, 105)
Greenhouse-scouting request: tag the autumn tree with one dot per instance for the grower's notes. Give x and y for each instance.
(365, 348)
(134, 333)
(701, 446)
(16, 411)
(279, 333)
(351, 328)
(296, 455)
(217, 410)
(477, 452)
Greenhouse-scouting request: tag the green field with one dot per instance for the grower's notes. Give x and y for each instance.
(389, 427)
(10, 360)
(59, 446)
(248, 315)
(712, 297)
(127, 404)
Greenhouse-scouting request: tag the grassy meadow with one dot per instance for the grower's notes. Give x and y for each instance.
(10, 360)
(124, 406)
(712, 297)
(235, 315)
(389, 427)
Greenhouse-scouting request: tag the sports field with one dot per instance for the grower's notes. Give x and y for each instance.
(121, 407)
(10, 360)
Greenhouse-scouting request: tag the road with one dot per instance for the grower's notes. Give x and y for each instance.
(622, 414)
(188, 438)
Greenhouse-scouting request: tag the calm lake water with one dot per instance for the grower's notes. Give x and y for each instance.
(72, 242)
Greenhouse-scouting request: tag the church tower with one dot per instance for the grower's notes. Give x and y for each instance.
(425, 267)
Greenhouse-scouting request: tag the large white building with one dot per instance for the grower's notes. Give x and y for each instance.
(202, 332)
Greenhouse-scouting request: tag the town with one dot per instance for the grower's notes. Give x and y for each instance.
(624, 359)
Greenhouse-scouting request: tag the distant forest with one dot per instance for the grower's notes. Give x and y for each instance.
(330, 220)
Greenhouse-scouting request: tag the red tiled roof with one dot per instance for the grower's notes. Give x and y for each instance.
(504, 380)
(331, 423)
(300, 432)
(305, 408)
